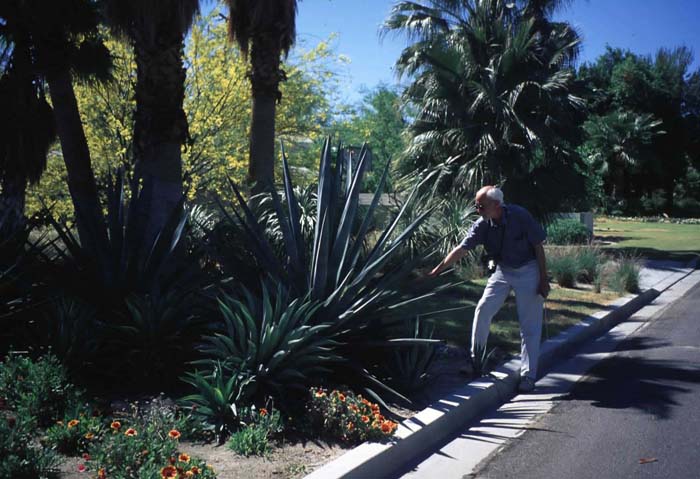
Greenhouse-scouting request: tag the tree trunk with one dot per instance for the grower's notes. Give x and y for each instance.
(160, 125)
(12, 201)
(81, 179)
(265, 79)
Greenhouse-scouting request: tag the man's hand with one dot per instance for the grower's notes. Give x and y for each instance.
(543, 288)
(434, 272)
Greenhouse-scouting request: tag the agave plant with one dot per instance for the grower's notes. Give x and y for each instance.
(408, 369)
(346, 270)
(218, 398)
(275, 338)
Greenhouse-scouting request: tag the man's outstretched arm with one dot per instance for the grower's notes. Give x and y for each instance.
(455, 255)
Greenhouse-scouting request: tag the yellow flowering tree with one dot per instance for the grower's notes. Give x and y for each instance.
(217, 103)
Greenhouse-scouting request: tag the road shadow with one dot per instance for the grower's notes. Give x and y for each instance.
(631, 382)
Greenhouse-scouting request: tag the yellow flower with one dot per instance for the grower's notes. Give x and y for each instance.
(72, 423)
(183, 457)
(89, 436)
(131, 432)
(174, 434)
(115, 425)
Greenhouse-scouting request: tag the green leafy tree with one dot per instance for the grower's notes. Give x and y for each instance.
(379, 120)
(623, 85)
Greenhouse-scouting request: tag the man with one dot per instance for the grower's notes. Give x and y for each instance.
(513, 239)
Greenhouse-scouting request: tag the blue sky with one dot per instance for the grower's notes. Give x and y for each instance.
(642, 26)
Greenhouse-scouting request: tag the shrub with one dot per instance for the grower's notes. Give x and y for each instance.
(139, 446)
(75, 433)
(563, 266)
(624, 276)
(39, 387)
(566, 232)
(20, 456)
(346, 417)
(254, 437)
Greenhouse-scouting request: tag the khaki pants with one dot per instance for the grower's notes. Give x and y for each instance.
(524, 281)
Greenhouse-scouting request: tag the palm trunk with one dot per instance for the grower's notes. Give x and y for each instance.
(265, 79)
(160, 126)
(81, 179)
(12, 201)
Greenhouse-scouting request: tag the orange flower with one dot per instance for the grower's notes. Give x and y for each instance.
(72, 423)
(189, 474)
(350, 426)
(101, 473)
(388, 427)
(263, 412)
(195, 470)
(183, 457)
(365, 419)
(341, 396)
(131, 432)
(319, 394)
(353, 408)
(168, 471)
(174, 434)
(89, 436)
(116, 425)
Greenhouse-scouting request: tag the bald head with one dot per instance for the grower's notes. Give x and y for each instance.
(491, 192)
(488, 202)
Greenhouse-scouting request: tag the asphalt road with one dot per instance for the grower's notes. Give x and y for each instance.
(637, 414)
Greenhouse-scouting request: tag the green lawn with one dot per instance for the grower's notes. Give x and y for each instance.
(565, 307)
(651, 240)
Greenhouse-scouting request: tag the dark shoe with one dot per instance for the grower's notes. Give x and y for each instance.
(527, 384)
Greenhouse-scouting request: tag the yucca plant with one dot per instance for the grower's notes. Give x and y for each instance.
(347, 268)
(133, 264)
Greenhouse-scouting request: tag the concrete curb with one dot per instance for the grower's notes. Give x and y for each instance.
(421, 433)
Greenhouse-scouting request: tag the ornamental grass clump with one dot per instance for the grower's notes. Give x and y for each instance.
(589, 259)
(563, 266)
(624, 276)
(344, 416)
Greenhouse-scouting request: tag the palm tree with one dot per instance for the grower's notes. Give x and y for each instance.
(266, 28)
(619, 143)
(495, 98)
(27, 130)
(63, 40)
(157, 30)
